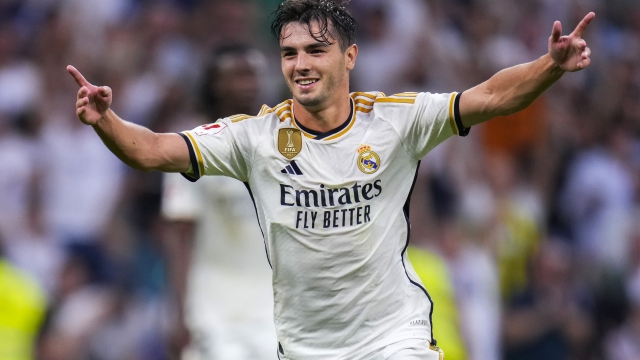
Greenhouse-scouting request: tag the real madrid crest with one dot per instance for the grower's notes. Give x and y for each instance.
(368, 160)
(289, 142)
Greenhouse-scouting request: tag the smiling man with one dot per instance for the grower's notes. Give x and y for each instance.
(331, 173)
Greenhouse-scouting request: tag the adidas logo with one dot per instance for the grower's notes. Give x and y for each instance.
(292, 169)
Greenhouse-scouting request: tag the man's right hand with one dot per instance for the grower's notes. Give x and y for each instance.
(93, 101)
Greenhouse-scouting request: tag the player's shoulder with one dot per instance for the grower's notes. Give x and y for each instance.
(251, 125)
(400, 98)
(267, 114)
(366, 101)
(378, 105)
(381, 103)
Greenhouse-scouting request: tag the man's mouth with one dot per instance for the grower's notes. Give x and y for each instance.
(306, 81)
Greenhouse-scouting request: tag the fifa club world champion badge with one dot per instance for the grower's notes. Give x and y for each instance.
(368, 160)
(289, 142)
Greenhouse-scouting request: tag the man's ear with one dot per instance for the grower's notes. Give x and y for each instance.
(350, 56)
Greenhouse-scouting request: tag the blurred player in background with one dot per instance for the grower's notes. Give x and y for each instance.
(22, 311)
(217, 258)
(331, 173)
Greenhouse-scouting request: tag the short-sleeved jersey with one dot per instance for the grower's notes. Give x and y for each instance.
(333, 209)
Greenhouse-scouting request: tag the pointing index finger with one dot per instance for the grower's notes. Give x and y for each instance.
(583, 24)
(77, 76)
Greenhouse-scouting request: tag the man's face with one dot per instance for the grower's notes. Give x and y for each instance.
(314, 71)
(238, 85)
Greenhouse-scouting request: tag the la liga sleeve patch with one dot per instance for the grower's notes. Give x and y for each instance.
(210, 129)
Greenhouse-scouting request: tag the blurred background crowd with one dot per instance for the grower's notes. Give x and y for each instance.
(526, 233)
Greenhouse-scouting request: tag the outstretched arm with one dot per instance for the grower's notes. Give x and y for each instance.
(515, 88)
(135, 145)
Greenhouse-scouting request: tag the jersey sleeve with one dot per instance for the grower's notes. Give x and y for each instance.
(222, 148)
(424, 120)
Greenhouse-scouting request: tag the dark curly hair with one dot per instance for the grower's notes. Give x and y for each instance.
(325, 12)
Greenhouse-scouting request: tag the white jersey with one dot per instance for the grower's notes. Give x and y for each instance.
(229, 304)
(333, 209)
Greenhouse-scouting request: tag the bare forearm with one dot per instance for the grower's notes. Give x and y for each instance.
(139, 147)
(517, 87)
(135, 145)
(178, 241)
(508, 91)
(178, 247)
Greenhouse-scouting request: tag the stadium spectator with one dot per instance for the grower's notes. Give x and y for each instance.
(598, 201)
(550, 318)
(624, 342)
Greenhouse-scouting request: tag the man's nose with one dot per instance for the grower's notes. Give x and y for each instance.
(303, 63)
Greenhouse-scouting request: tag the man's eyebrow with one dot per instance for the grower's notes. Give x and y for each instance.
(287, 48)
(312, 46)
(316, 45)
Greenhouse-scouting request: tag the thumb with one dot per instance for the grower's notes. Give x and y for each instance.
(104, 91)
(556, 32)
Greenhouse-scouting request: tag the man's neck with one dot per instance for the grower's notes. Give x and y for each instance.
(323, 119)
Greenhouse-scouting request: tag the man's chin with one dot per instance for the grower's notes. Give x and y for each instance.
(309, 101)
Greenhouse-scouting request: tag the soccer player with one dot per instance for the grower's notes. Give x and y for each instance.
(331, 173)
(227, 295)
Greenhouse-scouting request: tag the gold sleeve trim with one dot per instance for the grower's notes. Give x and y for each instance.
(452, 121)
(363, 94)
(397, 100)
(239, 118)
(198, 153)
